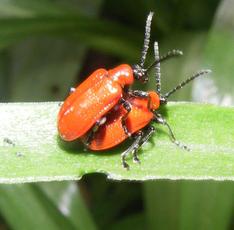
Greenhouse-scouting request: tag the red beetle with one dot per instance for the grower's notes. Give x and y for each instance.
(99, 93)
(143, 112)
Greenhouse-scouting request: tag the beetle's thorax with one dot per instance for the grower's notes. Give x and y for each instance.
(154, 100)
(122, 74)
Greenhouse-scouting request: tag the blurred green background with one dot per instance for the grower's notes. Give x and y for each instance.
(48, 46)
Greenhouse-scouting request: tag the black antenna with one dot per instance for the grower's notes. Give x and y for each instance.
(169, 54)
(157, 69)
(200, 73)
(140, 73)
(147, 38)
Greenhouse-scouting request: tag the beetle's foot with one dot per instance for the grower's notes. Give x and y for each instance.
(135, 157)
(185, 147)
(182, 146)
(126, 130)
(127, 133)
(87, 142)
(85, 149)
(136, 160)
(125, 164)
(123, 159)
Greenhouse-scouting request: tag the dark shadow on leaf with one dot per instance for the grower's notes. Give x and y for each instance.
(77, 147)
(74, 147)
(163, 111)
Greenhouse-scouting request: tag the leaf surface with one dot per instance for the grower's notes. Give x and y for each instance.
(32, 151)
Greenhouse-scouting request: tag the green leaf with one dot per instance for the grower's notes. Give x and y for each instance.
(214, 199)
(103, 35)
(32, 151)
(219, 53)
(188, 204)
(26, 207)
(54, 72)
(20, 20)
(162, 204)
(28, 8)
(67, 196)
(136, 220)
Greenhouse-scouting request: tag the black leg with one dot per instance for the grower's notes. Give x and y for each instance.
(138, 93)
(158, 118)
(135, 157)
(148, 133)
(133, 146)
(140, 139)
(94, 129)
(127, 107)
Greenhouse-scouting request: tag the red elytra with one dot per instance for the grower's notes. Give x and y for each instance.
(112, 133)
(100, 92)
(91, 100)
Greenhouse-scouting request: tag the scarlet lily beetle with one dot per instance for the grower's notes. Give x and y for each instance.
(138, 122)
(100, 92)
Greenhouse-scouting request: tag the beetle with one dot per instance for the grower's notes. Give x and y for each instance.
(139, 120)
(87, 104)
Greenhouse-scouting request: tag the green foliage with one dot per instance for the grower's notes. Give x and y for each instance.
(37, 153)
(53, 206)
(44, 46)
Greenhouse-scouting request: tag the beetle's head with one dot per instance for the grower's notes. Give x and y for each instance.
(163, 100)
(140, 73)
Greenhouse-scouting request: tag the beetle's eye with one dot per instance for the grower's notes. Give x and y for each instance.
(139, 73)
(163, 101)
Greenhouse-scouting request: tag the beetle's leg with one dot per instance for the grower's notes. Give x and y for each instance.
(140, 139)
(94, 129)
(138, 93)
(158, 118)
(147, 134)
(127, 107)
(133, 146)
